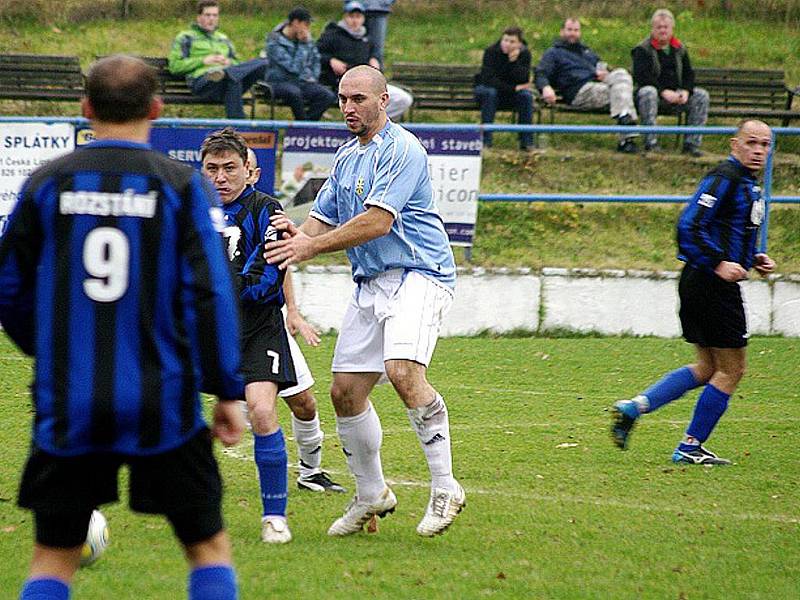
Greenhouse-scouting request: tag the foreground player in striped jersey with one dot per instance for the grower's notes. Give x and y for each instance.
(717, 239)
(300, 398)
(109, 268)
(378, 204)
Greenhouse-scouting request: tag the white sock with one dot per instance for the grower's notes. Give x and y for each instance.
(308, 436)
(433, 430)
(361, 438)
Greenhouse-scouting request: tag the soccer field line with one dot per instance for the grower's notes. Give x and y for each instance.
(236, 453)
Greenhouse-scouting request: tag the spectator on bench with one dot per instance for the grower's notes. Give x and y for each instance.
(294, 67)
(346, 44)
(504, 81)
(574, 71)
(207, 58)
(664, 77)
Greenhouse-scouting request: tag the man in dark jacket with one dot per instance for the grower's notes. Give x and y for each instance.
(575, 72)
(346, 44)
(664, 77)
(505, 81)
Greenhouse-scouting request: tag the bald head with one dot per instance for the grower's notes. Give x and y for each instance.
(751, 144)
(367, 77)
(121, 89)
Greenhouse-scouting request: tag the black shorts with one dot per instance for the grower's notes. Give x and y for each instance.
(712, 311)
(184, 484)
(266, 355)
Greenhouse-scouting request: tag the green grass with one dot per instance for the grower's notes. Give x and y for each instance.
(542, 521)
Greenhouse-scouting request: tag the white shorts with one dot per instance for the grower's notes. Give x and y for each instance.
(304, 378)
(396, 315)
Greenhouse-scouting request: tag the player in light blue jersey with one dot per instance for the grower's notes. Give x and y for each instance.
(378, 205)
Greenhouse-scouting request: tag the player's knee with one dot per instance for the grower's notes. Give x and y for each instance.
(303, 405)
(263, 417)
(406, 377)
(702, 372)
(212, 551)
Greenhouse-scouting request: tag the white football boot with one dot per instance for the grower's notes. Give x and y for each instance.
(358, 513)
(442, 510)
(275, 530)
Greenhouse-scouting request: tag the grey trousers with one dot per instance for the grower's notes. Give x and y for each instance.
(696, 112)
(616, 92)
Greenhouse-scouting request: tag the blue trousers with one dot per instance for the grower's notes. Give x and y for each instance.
(229, 91)
(376, 23)
(301, 94)
(490, 99)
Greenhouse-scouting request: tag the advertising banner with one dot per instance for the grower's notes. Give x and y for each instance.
(23, 148)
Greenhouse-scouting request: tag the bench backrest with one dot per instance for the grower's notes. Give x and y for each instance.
(743, 88)
(437, 85)
(170, 86)
(40, 77)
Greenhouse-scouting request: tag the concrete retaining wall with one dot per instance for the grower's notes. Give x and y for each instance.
(582, 300)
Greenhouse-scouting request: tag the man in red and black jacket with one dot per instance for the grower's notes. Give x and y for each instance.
(664, 78)
(504, 81)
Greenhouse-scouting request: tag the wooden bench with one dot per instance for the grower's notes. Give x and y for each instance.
(174, 90)
(439, 86)
(734, 93)
(40, 77)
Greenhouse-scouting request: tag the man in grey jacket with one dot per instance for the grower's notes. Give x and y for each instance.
(294, 66)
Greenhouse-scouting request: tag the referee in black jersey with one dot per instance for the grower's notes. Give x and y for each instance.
(718, 235)
(108, 270)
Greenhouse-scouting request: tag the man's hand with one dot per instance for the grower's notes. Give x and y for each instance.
(730, 271)
(295, 246)
(549, 94)
(514, 54)
(338, 66)
(375, 63)
(671, 96)
(228, 423)
(683, 96)
(764, 264)
(601, 74)
(295, 323)
(216, 59)
(522, 86)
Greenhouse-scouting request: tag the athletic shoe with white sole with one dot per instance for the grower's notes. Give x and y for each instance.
(624, 414)
(275, 530)
(358, 513)
(319, 482)
(442, 510)
(698, 456)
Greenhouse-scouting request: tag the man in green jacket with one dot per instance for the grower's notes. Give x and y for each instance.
(207, 58)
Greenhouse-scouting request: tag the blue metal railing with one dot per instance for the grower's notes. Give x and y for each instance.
(536, 129)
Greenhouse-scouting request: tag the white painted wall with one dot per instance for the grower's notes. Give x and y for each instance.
(608, 302)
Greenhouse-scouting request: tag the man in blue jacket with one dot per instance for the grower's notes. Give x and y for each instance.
(572, 70)
(294, 66)
(717, 239)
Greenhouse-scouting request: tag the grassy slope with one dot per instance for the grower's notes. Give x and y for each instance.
(514, 234)
(543, 521)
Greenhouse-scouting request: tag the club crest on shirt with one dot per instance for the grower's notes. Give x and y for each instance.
(360, 185)
(706, 200)
(758, 210)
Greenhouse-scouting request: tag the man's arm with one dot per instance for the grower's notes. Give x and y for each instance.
(298, 246)
(643, 73)
(295, 323)
(278, 55)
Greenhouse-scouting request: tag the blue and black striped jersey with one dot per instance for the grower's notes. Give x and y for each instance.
(722, 219)
(247, 228)
(108, 269)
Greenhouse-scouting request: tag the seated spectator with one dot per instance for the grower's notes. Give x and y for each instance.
(294, 67)
(664, 77)
(573, 71)
(207, 58)
(504, 81)
(346, 44)
(377, 22)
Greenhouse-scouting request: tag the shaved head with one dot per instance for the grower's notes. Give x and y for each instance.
(752, 143)
(367, 76)
(752, 125)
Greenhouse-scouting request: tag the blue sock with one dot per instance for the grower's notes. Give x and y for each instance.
(44, 588)
(217, 582)
(670, 387)
(709, 409)
(271, 461)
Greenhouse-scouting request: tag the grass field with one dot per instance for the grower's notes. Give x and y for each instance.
(554, 511)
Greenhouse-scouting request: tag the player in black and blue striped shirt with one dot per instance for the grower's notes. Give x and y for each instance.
(717, 239)
(109, 269)
(266, 358)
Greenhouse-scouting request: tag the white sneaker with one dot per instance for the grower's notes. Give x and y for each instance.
(358, 513)
(275, 530)
(443, 508)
